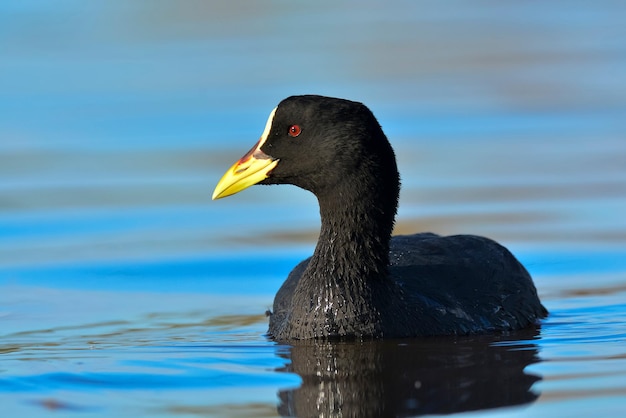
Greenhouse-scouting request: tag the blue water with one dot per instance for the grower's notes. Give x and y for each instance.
(125, 291)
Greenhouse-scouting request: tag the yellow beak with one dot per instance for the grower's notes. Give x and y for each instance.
(250, 169)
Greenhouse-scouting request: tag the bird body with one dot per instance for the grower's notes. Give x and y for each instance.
(360, 282)
(455, 285)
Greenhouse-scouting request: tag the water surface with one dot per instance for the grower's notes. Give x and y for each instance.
(124, 291)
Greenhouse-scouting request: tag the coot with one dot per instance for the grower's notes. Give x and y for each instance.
(360, 282)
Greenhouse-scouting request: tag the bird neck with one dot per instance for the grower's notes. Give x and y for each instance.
(345, 287)
(356, 226)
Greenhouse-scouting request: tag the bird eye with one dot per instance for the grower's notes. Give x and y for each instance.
(294, 130)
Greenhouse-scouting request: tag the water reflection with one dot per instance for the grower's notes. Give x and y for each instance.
(402, 378)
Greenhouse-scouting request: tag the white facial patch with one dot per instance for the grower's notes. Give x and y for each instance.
(268, 127)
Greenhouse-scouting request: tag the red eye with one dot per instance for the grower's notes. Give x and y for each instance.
(294, 130)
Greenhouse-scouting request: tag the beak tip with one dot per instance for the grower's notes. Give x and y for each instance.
(216, 195)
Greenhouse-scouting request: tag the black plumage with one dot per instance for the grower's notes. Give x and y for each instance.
(360, 282)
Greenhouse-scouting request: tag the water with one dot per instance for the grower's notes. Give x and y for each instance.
(124, 291)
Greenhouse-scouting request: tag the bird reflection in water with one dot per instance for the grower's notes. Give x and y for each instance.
(440, 375)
